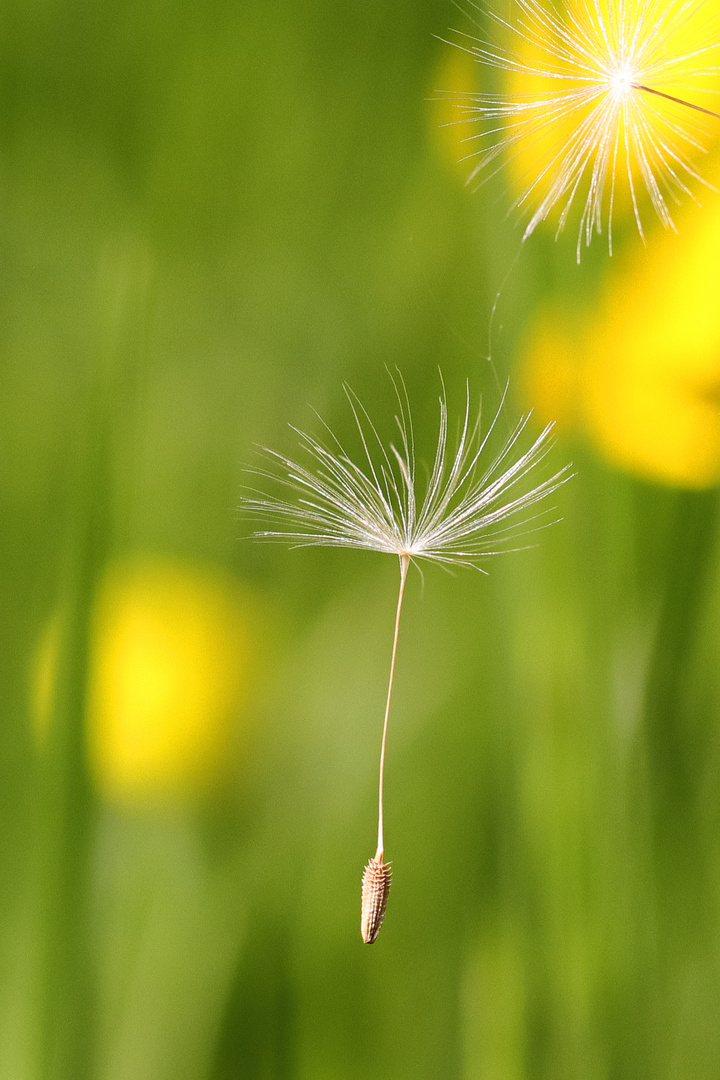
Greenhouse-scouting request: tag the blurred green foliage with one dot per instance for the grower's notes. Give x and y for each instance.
(211, 215)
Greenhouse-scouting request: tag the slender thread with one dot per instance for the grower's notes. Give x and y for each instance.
(677, 100)
(404, 563)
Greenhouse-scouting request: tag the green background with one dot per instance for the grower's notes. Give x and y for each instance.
(211, 215)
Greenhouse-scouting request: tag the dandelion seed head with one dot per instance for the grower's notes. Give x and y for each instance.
(474, 500)
(603, 107)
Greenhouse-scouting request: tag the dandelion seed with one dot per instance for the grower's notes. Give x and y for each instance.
(473, 504)
(606, 92)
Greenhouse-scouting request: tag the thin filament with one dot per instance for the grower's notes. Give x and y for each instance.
(677, 100)
(404, 563)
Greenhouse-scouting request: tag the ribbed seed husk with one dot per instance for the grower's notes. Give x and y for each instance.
(375, 891)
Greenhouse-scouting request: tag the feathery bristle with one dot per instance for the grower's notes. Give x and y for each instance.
(473, 504)
(375, 891)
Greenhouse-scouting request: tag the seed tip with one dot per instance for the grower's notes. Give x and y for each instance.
(376, 881)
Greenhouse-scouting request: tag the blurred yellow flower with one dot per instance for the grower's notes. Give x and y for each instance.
(641, 374)
(452, 130)
(174, 653)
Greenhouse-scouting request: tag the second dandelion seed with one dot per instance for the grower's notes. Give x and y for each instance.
(473, 504)
(603, 102)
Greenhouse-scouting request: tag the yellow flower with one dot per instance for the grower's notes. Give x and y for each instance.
(452, 130)
(641, 376)
(174, 653)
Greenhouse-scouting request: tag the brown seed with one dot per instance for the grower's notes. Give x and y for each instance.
(375, 891)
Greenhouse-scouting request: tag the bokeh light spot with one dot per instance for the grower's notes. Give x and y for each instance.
(174, 655)
(640, 374)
